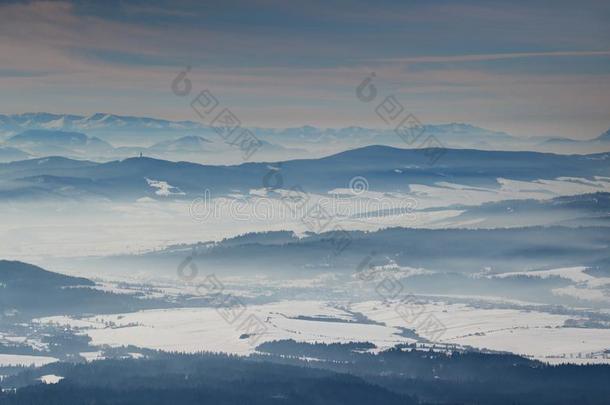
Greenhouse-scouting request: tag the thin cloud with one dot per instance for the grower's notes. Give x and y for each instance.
(489, 57)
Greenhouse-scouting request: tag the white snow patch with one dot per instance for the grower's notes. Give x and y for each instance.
(92, 356)
(575, 274)
(164, 188)
(7, 360)
(50, 379)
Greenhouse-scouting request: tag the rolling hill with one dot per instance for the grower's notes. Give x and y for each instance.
(385, 168)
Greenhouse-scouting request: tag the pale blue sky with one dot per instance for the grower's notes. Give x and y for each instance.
(526, 67)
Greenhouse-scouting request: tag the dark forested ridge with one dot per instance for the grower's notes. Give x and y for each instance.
(29, 291)
(457, 376)
(18, 274)
(346, 375)
(207, 379)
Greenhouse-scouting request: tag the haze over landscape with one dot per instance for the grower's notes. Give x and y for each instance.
(344, 202)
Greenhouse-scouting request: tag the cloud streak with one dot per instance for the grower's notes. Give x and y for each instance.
(493, 56)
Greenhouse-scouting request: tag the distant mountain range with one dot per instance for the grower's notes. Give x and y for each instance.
(115, 129)
(144, 132)
(574, 145)
(97, 121)
(50, 143)
(186, 144)
(452, 135)
(386, 169)
(43, 142)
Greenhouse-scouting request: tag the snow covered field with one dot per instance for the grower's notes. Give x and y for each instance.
(205, 329)
(534, 334)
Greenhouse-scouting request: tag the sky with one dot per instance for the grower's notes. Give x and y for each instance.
(530, 68)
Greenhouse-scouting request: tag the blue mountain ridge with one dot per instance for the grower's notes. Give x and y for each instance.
(385, 168)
